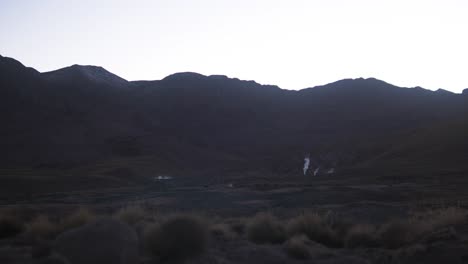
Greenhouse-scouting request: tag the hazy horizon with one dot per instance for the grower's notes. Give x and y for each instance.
(294, 44)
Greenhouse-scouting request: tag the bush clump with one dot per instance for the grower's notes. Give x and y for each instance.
(238, 225)
(438, 218)
(178, 239)
(78, 218)
(10, 226)
(265, 228)
(131, 215)
(316, 228)
(42, 228)
(297, 247)
(361, 235)
(223, 231)
(398, 233)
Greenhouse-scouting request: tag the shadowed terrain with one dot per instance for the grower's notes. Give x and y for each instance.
(225, 149)
(83, 116)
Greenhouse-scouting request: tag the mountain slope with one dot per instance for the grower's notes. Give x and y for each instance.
(80, 73)
(443, 144)
(84, 114)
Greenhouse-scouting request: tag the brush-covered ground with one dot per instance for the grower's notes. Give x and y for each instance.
(326, 219)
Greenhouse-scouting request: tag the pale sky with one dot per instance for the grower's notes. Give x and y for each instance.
(290, 43)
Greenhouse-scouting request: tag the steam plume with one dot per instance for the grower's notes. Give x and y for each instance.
(316, 171)
(306, 164)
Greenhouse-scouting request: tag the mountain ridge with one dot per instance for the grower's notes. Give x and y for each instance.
(91, 70)
(85, 72)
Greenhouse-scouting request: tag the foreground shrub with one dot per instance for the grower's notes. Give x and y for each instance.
(41, 227)
(297, 247)
(131, 215)
(398, 233)
(223, 231)
(76, 219)
(450, 216)
(54, 259)
(361, 235)
(178, 239)
(438, 218)
(315, 227)
(340, 226)
(10, 226)
(265, 228)
(238, 225)
(411, 253)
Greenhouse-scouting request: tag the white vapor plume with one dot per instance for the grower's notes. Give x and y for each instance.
(316, 171)
(306, 164)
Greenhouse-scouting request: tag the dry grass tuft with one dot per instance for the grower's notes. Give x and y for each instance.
(238, 225)
(223, 231)
(10, 226)
(80, 217)
(42, 228)
(361, 235)
(316, 227)
(297, 247)
(178, 239)
(131, 215)
(434, 219)
(398, 233)
(265, 228)
(406, 254)
(54, 259)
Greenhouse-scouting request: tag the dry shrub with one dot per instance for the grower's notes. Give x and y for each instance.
(76, 219)
(131, 215)
(398, 233)
(41, 227)
(265, 228)
(223, 231)
(316, 228)
(297, 247)
(361, 235)
(340, 226)
(54, 259)
(438, 218)
(238, 225)
(451, 216)
(178, 239)
(411, 253)
(10, 226)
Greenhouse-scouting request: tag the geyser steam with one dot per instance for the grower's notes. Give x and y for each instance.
(306, 164)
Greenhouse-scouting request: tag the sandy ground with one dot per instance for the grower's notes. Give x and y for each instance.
(366, 201)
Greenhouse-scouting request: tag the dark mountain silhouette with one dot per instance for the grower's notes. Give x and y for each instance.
(442, 91)
(82, 115)
(80, 73)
